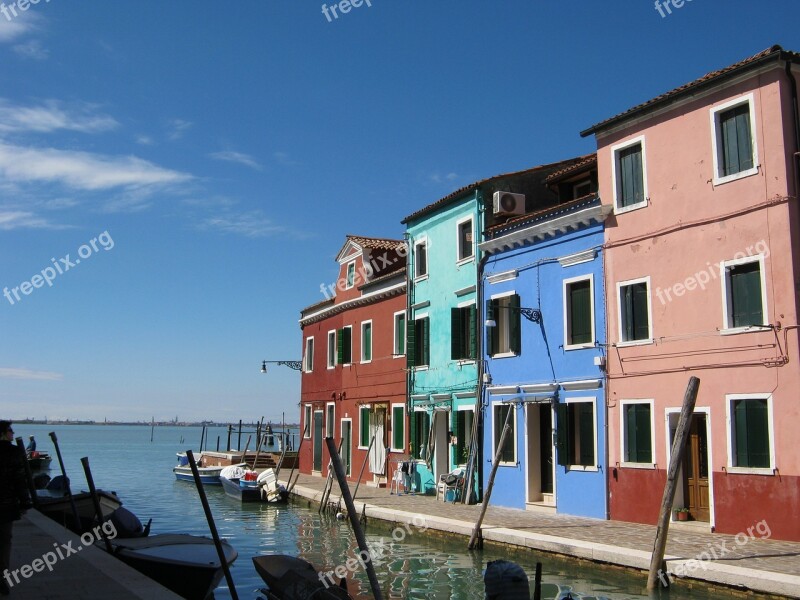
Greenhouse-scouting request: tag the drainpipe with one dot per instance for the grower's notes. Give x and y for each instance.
(409, 300)
(479, 343)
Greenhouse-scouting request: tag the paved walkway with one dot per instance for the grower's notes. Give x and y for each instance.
(761, 565)
(90, 573)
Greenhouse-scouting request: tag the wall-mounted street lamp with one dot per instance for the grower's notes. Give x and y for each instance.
(297, 365)
(533, 315)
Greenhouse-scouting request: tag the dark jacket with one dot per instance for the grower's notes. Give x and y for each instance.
(13, 487)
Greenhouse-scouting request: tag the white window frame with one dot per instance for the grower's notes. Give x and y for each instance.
(391, 441)
(500, 296)
(332, 351)
(423, 241)
(471, 257)
(615, 151)
(371, 339)
(716, 138)
(513, 406)
(308, 411)
(593, 401)
(567, 282)
(724, 274)
(350, 327)
(330, 422)
(580, 184)
(623, 434)
(308, 363)
(361, 411)
(394, 335)
(349, 281)
(464, 408)
(649, 340)
(729, 399)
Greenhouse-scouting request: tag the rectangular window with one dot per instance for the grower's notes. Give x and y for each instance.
(579, 190)
(463, 333)
(465, 245)
(508, 454)
(307, 421)
(366, 341)
(345, 345)
(332, 349)
(579, 313)
(419, 343)
(744, 293)
(504, 337)
(398, 427)
(575, 434)
(421, 259)
(463, 433)
(634, 310)
(308, 363)
(351, 275)
(629, 178)
(734, 140)
(637, 432)
(399, 333)
(750, 444)
(363, 427)
(330, 413)
(420, 428)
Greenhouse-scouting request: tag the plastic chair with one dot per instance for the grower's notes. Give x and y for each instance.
(398, 479)
(451, 481)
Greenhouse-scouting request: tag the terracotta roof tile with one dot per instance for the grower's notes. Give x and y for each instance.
(589, 159)
(544, 213)
(376, 243)
(773, 53)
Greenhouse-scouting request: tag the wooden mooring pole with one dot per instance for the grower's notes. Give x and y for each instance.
(675, 461)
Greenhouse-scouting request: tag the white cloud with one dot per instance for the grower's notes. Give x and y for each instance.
(21, 219)
(282, 158)
(82, 170)
(33, 50)
(144, 140)
(446, 178)
(51, 116)
(248, 224)
(178, 127)
(11, 29)
(237, 157)
(9, 373)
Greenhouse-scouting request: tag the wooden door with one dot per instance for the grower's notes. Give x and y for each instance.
(317, 440)
(696, 470)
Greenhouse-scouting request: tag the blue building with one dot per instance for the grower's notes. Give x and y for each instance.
(544, 351)
(444, 329)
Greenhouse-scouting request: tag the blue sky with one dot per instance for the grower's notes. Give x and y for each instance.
(222, 151)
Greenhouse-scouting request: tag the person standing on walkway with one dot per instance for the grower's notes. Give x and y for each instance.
(14, 498)
(31, 447)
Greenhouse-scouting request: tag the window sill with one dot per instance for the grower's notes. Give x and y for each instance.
(748, 329)
(331, 368)
(420, 278)
(646, 342)
(749, 471)
(398, 355)
(582, 468)
(735, 176)
(579, 346)
(420, 368)
(464, 261)
(630, 208)
(363, 447)
(465, 361)
(503, 355)
(397, 450)
(507, 464)
(631, 465)
(366, 362)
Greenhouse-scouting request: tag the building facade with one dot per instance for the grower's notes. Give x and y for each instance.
(701, 273)
(353, 385)
(545, 350)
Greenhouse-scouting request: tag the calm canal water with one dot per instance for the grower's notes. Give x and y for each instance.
(420, 566)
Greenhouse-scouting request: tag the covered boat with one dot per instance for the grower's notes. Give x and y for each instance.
(55, 503)
(39, 461)
(186, 564)
(246, 485)
(292, 578)
(183, 471)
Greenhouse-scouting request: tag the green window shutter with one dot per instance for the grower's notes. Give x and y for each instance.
(491, 335)
(400, 333)
(340, 346)
(364, 426)
(637, 426)
(500, 414)
(586, 421)
(631, 176)
(751, 421)
(426, 346)
(635, 318)
(737, 143)
(580, 312)
(413, 431)
(456, 334)
(631, 434)
(398, 431)
(514, 329)
(347, 345)
(562, 434)
(367, 341)
(411, 345)
(472, 351)
(745, 283)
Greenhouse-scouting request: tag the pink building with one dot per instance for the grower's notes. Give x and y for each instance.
(701, 275)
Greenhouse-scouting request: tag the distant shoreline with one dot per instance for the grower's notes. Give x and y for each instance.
(235, 426)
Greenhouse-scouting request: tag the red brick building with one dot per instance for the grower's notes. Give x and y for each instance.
(353, 386)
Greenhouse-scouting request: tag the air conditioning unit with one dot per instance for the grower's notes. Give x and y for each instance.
(506, 203)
